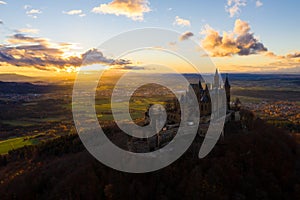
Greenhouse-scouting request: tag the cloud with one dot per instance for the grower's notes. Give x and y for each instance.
(22, 39)
(258, 3)
(240, 41)
(28, 30)
(233, 7)
(3, 3)
(94, 56)
(293, 55)
(181, 22)
(241, 27)
(26, 7)
(289, 56)
(1, 22)
(130, 67)
(73, 12)
(185, 36)
(283, 63)
(133, 9)
(40, 53)
(33, 12)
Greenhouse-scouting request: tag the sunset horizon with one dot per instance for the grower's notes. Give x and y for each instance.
(150, 99)
(236, 42)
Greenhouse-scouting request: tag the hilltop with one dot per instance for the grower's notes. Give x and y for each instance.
(262, 162)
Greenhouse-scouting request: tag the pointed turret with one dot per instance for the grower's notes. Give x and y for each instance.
(227, 82)
(201, 89)
(200, 85)
(206, 88)
(227, 90)
(206, 91)
(216, 83)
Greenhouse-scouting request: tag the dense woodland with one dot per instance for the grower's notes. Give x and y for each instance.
(259, 162)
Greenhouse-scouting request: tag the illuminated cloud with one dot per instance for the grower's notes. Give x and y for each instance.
(241, 27)
(181, 22)
(28, 30)
(273, 55)
(289, 56)
(94, 56)
(233, 6)
(240, 41)
(258, 3)
(280, 63)
(133, 9)
(74, 12)
(3, 3)
(20, 39)
(293, 55)
(185, 36)
(40, 53)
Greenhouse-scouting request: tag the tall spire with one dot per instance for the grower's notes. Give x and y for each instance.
(227, 90)
(200, 85)
(227, 81)
(206, 88)
(216, 83)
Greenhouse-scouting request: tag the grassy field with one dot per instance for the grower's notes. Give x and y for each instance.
(15, 143)
(137, 106)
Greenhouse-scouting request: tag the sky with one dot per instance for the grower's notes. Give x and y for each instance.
(44, 38)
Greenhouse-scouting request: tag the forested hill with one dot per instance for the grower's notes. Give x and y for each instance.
(262, 162)
(24, 88)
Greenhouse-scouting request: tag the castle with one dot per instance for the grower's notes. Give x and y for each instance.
(220, 106)
(204, 98)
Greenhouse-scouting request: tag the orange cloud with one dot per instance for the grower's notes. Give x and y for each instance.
(25, 51)
(133, 9)
(28, 30)
(240, 41)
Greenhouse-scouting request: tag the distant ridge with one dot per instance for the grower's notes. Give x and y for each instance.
(13, 77)
(24, 88)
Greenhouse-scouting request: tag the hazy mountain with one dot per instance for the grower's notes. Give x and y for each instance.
(24, 88)
(13, 77)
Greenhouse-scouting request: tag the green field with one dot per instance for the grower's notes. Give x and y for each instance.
(15, 143)
(137, 107)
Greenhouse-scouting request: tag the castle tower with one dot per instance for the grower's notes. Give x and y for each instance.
(227, 90)
(200, 86)
(216, 83)
(205, 102)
